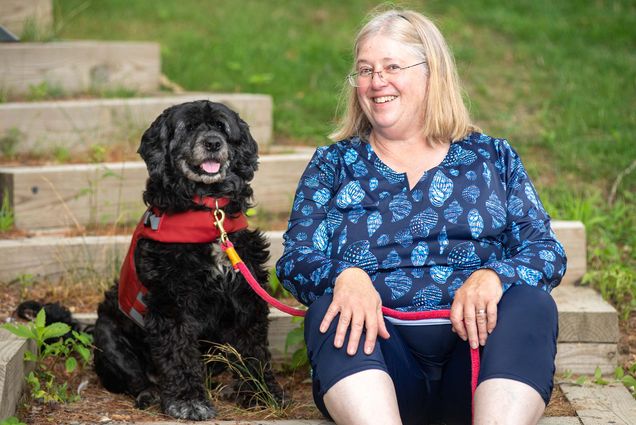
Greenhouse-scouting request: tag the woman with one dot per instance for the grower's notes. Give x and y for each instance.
(414, 209)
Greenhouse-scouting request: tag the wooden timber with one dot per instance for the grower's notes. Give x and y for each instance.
(79, 126)
(71, 196)
(79, 66)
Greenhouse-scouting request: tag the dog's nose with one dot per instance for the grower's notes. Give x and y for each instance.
(212, 145)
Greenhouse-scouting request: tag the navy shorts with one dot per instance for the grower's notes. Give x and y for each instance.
(430, 365)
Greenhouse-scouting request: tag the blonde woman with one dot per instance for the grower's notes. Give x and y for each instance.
(415, 209)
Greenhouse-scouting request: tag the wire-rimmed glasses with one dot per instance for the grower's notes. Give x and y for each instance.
(365, 74)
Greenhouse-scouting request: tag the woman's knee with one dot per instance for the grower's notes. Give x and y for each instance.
(530, 302)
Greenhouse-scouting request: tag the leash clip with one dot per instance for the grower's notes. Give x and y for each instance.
(219, 217)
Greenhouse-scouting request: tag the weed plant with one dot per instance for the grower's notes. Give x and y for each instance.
(226, 356)
(55, 344)
(6, 212)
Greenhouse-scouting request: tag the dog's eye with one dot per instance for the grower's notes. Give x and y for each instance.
(191, 126)
(220, 126)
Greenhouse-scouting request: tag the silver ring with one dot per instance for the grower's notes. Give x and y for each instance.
(480, 312)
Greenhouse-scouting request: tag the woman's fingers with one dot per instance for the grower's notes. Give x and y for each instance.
(457, 319)
(482, 325)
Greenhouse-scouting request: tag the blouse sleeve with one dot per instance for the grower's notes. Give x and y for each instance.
(532, 254)
(305, 268)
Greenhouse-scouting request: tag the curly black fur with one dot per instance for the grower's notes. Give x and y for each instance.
(194, 296)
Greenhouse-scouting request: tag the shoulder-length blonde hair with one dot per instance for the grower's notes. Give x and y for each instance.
(446, 117)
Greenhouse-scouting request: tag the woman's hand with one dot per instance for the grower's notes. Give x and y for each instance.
(360, 307)
(474, 310)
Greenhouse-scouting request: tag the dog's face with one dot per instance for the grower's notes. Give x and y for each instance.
(202, 142)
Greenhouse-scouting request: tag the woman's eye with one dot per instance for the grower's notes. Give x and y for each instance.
(393, 67)
(365, 72)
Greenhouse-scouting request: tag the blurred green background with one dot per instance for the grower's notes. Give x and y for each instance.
(556, 78)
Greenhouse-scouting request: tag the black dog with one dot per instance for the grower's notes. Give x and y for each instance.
(196, 153)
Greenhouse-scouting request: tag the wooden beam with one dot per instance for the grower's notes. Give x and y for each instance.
(601, 404)
(12, 370)
(80, 66)
(584, 316)
(80, 125)
(572, 235)
(64, 196)
(584, 358)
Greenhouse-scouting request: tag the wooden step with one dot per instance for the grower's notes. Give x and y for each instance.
(588, 331)
(16, 15)
(12, 371)
(64, 196)
(78, 126)
(48, 256)
(74, 67)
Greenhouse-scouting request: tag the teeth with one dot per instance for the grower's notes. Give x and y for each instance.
(384, 99)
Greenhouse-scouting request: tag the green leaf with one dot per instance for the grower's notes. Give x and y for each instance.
(629, 381)
(597, 373)
(29, 356)
(294, 337)
(581, 380)
(619, 373)
(84, 352)
(299, 358)
(55, 330)
(19, 330)
(40, 319)
(71, 364)
(83, 337)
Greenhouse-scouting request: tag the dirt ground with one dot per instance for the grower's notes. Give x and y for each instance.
(98, 405)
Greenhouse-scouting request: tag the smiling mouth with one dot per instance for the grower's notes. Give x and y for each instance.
(210, 167)
(383, 99)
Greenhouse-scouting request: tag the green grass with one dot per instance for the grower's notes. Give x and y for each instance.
(557, 78)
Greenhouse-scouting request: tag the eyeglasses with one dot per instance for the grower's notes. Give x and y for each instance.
(365, 75)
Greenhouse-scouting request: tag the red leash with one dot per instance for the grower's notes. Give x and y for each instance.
(239, 265)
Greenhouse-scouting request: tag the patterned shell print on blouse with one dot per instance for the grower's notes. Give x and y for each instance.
(477, 209)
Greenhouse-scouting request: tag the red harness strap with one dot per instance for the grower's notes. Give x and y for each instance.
(185, 227)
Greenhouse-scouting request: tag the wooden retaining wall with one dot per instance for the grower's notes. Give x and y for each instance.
(65, 196)
(80, 125)
(79, 66)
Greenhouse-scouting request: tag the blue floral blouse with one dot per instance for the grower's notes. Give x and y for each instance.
(477, 209)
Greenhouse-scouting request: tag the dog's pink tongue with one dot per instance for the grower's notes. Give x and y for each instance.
(211, 166)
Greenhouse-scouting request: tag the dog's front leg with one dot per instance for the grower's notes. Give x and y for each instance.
(175, 352)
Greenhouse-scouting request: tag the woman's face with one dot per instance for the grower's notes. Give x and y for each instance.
(394, 104)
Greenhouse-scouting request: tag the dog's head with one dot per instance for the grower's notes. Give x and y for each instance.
(198, 148)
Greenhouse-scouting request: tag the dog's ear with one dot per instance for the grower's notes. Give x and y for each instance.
(249, 151)
(154, 144)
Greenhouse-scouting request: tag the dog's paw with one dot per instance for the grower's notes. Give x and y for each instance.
(147, 398)
(196, 410)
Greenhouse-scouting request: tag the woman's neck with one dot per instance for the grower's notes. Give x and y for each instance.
(413, 156)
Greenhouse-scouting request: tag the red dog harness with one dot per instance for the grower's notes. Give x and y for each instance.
(185, 227)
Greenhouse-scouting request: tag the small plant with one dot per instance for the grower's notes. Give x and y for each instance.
(44, 384)
(9, 142)
(625, 376)
(296, 338)
(227, 356)
(61, 154)
(6, 213)
(44, 90)
(97, 153)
